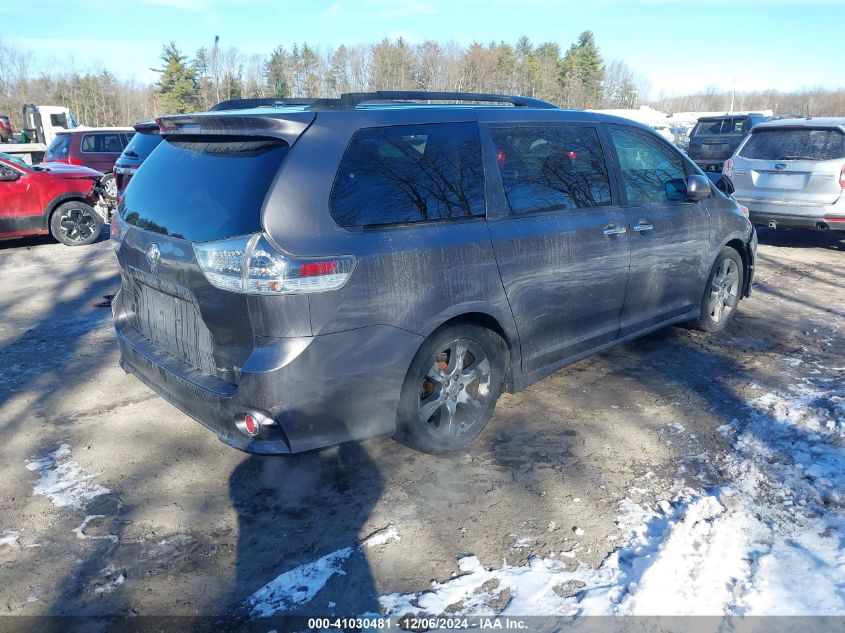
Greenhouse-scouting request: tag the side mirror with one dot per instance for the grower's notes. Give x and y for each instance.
(8, 175)
(698, 188)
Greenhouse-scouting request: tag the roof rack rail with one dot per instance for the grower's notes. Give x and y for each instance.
(262, 102)
(353, 99)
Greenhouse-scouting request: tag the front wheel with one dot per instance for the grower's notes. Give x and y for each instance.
(722, 292)
(451, 389)
(75, 224)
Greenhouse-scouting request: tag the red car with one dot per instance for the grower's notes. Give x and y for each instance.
(97, 148)
(55, 199)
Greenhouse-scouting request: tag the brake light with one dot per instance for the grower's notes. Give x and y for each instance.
(115, 231)
(252, 265)
(842, 177)
(728, 168)
(74, 161)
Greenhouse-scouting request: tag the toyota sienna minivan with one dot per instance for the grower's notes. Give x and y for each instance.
(378, 264)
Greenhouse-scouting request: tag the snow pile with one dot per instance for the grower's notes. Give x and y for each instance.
(63, 481)
(301, 584)
(10, 538)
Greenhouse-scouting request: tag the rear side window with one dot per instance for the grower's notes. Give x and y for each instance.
(410, 173)
(551, 167)
(651, 171)
(141, 145)
(103, 143)
(59, 147)
(204, 188)
(794, 144)
(722, 126)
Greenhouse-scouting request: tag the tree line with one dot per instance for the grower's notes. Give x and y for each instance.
(573, 77)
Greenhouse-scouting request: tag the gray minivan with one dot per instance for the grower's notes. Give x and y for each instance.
(298, 276)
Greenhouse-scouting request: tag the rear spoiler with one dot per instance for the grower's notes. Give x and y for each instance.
(288, 126)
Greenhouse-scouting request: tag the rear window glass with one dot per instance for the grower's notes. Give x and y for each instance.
(59, 147)
(203, 189)
(721, 126)
(551, 167)
(795, 144)
(410, 173)
(141, 145)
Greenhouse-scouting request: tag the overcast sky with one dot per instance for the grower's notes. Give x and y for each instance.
(677, 46)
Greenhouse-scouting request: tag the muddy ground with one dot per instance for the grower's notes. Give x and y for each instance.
(158, 517)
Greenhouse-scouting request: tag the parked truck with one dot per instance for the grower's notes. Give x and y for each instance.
(41, 123)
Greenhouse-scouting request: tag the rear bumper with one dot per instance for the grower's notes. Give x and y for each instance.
(784, 213)
(312, 391)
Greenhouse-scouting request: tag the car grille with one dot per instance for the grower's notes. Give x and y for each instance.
(168, 316)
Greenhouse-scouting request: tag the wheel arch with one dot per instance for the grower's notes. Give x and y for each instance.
(68, 196)
(741, 248)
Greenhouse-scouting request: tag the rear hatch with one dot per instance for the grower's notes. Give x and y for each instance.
(801, 165)
(206, 182)
(715, 139)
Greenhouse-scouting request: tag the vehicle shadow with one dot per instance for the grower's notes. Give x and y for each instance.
(300, 548)
(801, 238)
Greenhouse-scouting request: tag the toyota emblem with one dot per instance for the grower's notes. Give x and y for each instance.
(153, 255)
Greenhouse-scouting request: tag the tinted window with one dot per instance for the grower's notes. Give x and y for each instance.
(203, 189)
(722, 126)
(551, 167)
(410, 173)
(109, 143)
(60, 120)
(141, 145)
(59, 147)
(794, 144)
(652, 172)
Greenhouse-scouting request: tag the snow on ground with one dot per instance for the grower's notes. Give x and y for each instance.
(301, 584)
(766, 542)
(63, 481)
(10, 538)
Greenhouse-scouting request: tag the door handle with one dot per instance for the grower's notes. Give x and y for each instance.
(614, 229)
(642, 225)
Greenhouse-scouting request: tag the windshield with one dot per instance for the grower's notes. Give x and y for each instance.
(18, 162)
(794, 144)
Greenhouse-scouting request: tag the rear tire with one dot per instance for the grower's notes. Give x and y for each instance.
(109, 185)
(75, 224)
(722, 292)
(450, 390)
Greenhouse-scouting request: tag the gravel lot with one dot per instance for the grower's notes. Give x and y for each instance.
(113, 502)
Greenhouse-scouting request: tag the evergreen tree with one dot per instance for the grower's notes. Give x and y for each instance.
(275, 70)
(582, 69)
(177, 85)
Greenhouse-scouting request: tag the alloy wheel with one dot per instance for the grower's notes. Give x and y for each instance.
(724, 290)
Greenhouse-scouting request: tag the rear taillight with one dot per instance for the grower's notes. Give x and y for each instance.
(116, 230)
(842, 177)
(728, 168)
(252, 265)
(74, 161)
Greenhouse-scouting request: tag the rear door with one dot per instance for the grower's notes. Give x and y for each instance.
(714, 140)
(797, 163)
(558, 234)
(669, 236)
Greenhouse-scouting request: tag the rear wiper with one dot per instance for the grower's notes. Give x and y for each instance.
(131, 154)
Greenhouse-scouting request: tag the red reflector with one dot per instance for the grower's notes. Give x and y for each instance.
(250, 424)
(317, 268)
(835, 219)
(500, 157)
